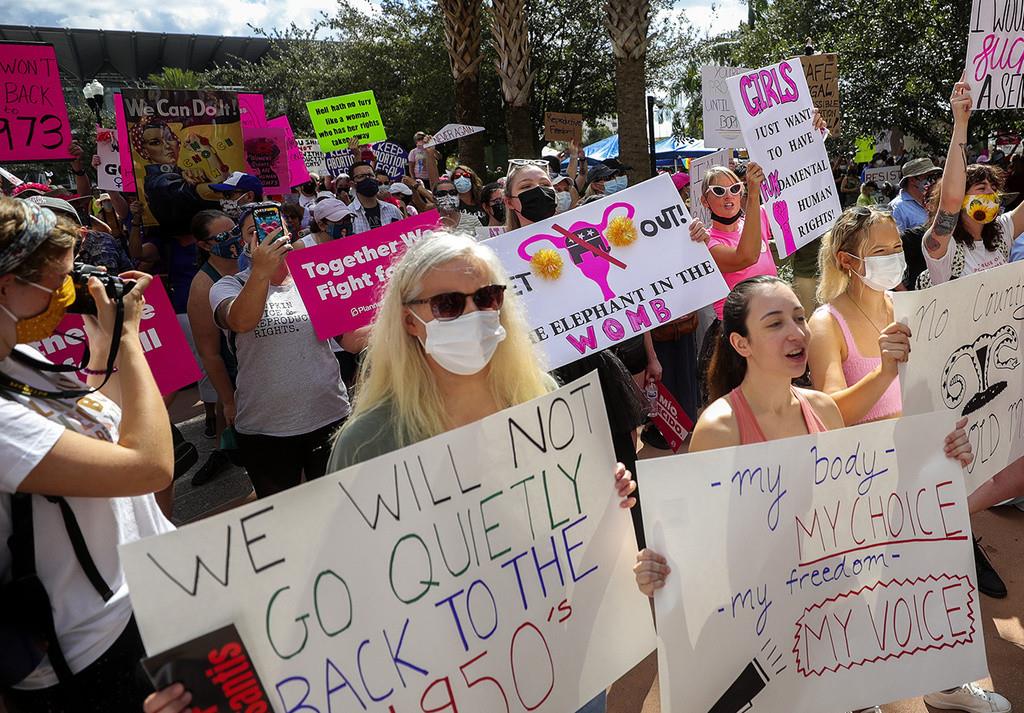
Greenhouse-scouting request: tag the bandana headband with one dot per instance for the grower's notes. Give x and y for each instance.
(39, 222)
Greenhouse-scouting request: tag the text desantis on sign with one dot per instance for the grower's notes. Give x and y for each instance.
(486, 568)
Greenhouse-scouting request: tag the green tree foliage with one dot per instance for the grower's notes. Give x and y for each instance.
(177, 78)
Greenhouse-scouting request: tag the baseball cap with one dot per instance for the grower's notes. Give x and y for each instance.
(399, 187)
(600, 172)
(322, 195)
(239, 181)
(616, 165)
(331, 209)
(917, 167)
(57, 205)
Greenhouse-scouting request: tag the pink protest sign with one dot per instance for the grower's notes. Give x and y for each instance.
(34, 122)
(341, 282)
(124, 148)
(296, 156)
(252, 110)
(266, 157)
(167, 351)
(670, 419)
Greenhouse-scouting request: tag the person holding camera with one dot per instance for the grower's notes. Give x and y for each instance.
(79, 464)
(289, 395)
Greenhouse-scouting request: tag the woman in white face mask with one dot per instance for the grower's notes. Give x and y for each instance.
(446, 197)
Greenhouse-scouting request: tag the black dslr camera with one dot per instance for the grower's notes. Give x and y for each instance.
(115, 287)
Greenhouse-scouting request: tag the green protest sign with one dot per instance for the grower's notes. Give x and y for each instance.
(338, 119)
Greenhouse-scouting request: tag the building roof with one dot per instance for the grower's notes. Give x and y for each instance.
(119, 55)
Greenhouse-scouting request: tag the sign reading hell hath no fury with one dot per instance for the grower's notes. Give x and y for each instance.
(829, 572)
(485, 569)
(995, 54)
(966, 361)
(609, 270)
(775, 111)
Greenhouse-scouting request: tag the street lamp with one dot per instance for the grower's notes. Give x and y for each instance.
(93, 92)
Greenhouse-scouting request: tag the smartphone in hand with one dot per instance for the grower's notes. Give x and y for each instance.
(268, 219)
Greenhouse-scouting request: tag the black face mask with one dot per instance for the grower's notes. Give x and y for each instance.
(538, 203)
(498, 209)
(726, 221)
(367, 187)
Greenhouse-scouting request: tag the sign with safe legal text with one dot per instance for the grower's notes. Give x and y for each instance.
(563, 127)
(609, 270)
(966, 361)
(34, 122)
(698, 167)
(167, 351)
(338, 119)
(485, 569)
(775, 113)
(721, 128)
(995, 62)
(822, 74)
(827, 572)
(341, 282)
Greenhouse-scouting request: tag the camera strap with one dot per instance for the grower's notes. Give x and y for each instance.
(12, 384)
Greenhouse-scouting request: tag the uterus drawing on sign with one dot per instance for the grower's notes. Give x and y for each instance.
(987, 354)
(594, 267)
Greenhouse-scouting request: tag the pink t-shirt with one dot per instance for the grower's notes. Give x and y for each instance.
(765, 264)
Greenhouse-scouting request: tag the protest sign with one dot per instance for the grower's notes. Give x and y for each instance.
(670, 419)
(341, 282)
(34, 123)
(995, 63)
(181, 142)
(882, 174)
(167, 351)
(391, 158)
(822, 74)
(487, 567)
(451, 132)
(698, 167)
(266, 157)
(124, 146)
(338, 162)
(775, 112)
(108, 173)
(609, 270)
(966, 361)
(865, 149)
(338, 119)
(297, 171)
(563, 127)
(489, 231)
(312, 156)
(252, 110)
(11, 178)
(721, 128)
(832, 571)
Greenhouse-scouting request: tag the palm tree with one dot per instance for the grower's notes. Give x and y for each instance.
(462, 38)
(512, 43)
(629, 24)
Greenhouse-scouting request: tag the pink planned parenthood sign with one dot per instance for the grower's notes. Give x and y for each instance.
(341, 282)
(167, 351)
(34, 122)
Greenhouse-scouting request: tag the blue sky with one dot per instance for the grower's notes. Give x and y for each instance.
(229, 17)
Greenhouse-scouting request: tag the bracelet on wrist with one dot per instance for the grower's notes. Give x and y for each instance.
(98, 372)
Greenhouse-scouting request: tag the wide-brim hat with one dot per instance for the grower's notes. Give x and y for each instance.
(916, 168)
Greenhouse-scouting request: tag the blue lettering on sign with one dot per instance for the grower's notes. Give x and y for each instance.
(766, 483)
(828, 467)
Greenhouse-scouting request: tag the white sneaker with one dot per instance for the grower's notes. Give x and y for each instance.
(969, 697)
(872, 709)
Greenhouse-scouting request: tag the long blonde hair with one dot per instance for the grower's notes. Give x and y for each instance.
(395, 368)
(846, 236)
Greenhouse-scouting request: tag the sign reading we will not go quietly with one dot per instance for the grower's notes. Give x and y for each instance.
(775, 112)
(995, 54)
(485, 569)
(829, 572)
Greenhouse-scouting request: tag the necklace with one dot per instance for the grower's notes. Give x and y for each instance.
(871, 321)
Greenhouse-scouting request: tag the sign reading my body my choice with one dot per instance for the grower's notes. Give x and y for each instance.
(609, 270)
(829, 572)
(34, 122)
(775, 112)
(485, 569)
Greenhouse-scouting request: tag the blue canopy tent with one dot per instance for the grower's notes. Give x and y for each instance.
(667, 152)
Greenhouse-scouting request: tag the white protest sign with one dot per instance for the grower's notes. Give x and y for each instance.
(451, 132)
(882, 174)
(609, 270)
(828, 572)
(485, 568)
(489, 231)
(721, 129)
(313, 156)
(11, 178)
(775, 111)
(698, 167)
(995, 61)
(966, 361)
(108, 173)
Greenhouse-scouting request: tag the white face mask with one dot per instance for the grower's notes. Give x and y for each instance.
(883, 272)
(447, 204)
(464, 345)
(562, 201)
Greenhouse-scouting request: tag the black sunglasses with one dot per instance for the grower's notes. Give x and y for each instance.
(452, 192)
(451, 305)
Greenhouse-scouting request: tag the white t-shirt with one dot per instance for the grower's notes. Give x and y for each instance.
(976, 259)
(86, 625)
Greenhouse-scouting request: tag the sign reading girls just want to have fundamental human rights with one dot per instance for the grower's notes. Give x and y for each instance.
(775, 110)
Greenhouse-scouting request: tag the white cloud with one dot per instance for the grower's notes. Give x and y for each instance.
(715, 17)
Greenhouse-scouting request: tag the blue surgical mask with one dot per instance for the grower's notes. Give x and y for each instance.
(462, 184)
(614, 185)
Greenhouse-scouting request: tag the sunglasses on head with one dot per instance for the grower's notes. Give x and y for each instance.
(451, 192)
(735, 189)
(451, 305)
